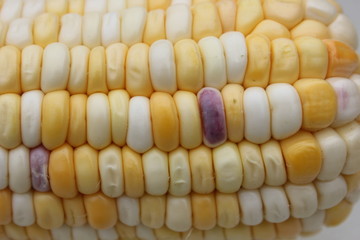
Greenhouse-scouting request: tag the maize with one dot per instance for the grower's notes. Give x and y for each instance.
(159, 119)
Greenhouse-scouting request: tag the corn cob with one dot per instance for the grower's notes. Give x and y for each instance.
(176, 119)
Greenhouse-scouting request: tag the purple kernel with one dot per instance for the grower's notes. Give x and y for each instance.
(212, 116)
(39, 161)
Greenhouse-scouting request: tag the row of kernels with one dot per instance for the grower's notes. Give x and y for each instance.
(56, 118)
(299, 159)
(134, 25)
(94, 30)
(213, 62)
(288, 229)
(32, 8)
(201, 211)
(324, 11)
(117, 171)
(224, 15)
(285, 230)
(212, 117)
